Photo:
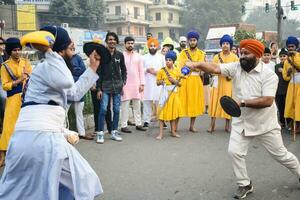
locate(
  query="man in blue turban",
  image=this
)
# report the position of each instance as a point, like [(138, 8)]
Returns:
[(191, 93), (292, 43), (222, 85), (193, 34)]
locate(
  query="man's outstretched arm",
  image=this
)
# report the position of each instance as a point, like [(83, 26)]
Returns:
[(212, 68)]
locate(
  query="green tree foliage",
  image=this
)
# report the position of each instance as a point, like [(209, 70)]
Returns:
[(200, 14), (78, 13), (243, 34), (268, 22)]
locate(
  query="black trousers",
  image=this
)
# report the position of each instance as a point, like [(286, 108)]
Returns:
[(96, 106), (280, 102)]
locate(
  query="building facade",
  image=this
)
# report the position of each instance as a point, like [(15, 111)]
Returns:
[(128, 17), (165, 18), (137, 17)]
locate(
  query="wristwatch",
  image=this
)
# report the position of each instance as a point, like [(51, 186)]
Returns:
[(243, 104)]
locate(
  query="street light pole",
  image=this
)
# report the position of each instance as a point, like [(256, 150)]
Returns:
[(279, 24), (2, 25)]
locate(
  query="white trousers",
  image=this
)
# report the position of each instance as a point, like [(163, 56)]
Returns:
[(78, 106), (136, 105), (148, 110), (272, 142)]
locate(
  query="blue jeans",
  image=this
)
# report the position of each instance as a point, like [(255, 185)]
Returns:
[(65, 193), (116, 98)]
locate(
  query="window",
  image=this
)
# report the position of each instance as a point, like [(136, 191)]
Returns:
[(119, 30), (171, 2), (136, 30), (141, 31), (118, 10), (160, 35), (136, 12), (170, 19), (157, 16)]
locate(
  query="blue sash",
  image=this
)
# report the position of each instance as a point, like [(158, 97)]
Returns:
[(18, 88)]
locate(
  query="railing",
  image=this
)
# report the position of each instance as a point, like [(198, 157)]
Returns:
[(124, 18)]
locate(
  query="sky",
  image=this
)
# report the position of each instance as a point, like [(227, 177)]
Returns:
[(285, 4)]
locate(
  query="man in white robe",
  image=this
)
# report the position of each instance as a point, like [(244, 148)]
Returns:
[(153, 62)]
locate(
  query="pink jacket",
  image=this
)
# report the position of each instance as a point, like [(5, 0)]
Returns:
[(135, 76)]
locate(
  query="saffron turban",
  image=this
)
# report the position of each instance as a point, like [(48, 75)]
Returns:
[(292, 40), (171, 55), (154, 41), (226, 38), (193, 34), (254, 46)]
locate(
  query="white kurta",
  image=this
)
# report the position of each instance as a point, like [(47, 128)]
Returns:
[(270, 65), (39, 158), (151, 90)]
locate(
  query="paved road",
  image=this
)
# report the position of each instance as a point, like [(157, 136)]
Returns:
[(194, 167)]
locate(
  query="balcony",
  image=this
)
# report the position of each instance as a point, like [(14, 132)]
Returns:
[(167, 24), (122, 18), (137, 1), (164, 6)]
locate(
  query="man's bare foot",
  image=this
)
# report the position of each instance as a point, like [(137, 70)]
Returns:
[(193, 130), (175, 135), (210, 130), (159, 137), (227, 130)]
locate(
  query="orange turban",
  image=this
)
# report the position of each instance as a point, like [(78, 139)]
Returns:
[(254, 46), (152, 40)]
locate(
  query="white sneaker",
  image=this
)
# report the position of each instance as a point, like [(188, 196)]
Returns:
[(115, 136), (100, 137)]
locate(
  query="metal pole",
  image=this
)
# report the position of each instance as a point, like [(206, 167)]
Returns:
[(279, 20)]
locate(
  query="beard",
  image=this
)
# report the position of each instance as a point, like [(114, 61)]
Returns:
[(129, 48), (68, 63), (182, 45), (152, 51), (248, 64)]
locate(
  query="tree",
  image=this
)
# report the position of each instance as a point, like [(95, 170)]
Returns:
[(92, 10), (78, 13), (63, 11), (243, 34), (268, 22), (200, 14)]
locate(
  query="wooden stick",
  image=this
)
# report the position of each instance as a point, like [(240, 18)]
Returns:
[(294, 104)]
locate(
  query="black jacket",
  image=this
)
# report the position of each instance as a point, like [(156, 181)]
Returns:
[(112, 76), (282, 84)]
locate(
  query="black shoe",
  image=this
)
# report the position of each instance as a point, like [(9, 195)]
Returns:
[(146, 125), (126, 130), (141, 128), (242, 192)]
